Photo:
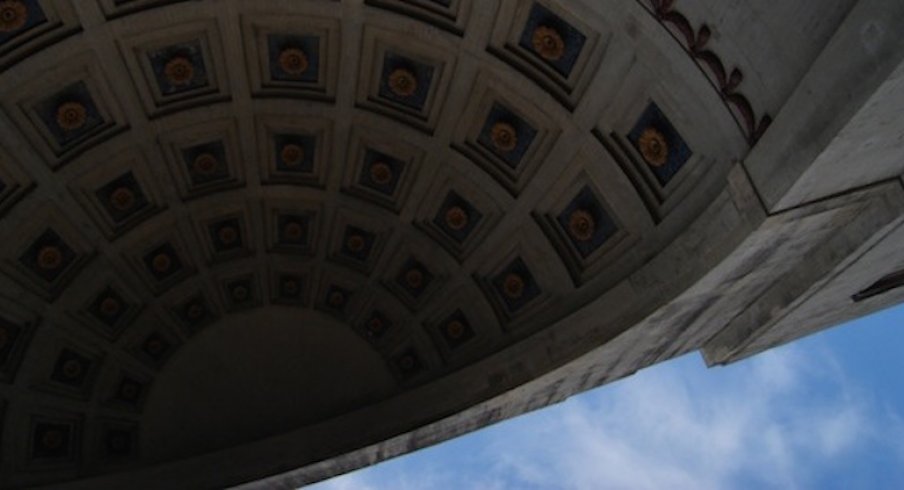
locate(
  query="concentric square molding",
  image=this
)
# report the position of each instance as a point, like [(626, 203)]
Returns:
[(294, 149), (153, 342), (382, 323), (53, 440), (661, 192), (357, 241), (459, 329), (225, 232), (452, 332), (182, 69), (451, 15), (508, 137), (292, 56), (662, 148), (46, 253), (105, 305), (161, 257), (413, 361), (403, 81), (126, 390), (412, 278), (71, 370), (240, 290), (457, 215), (36, 25), (205, 158), (339, 293), (585, 229), (192, 309), (293, 227), (69, 111), (549, 44), (119, 192), (515, 287), (291, 284), (116, 441), (381, 169)]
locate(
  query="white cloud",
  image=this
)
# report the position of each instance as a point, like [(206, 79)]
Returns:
[(776, 421), (352, 481)]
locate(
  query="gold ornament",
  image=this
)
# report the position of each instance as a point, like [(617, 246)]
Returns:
[(179, 71), (293, 232), (548, 43), (50, 258), (227, 235), (72, 369), (205, 164), (402, 82), (581, 225), (162, 262), (13, 15), (52, 439), (456, 218), (455, 329), (414, 278), (513, 286), (381, 173), (292, 155), (71, 116), (293, 61), (653, 147), (504, 136), (122, 199), (109, 307), (355, 243)]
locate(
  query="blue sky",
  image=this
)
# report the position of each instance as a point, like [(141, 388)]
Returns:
[(826, 412)]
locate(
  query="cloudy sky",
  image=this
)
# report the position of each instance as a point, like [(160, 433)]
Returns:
[(824, 413)]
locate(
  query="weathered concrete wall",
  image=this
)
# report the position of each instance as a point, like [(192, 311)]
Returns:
[(840, 129)]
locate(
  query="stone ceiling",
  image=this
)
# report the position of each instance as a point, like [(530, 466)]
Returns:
[(224, 220)]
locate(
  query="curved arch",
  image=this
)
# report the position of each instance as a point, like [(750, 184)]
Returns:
[(257, 374), (483, 192)]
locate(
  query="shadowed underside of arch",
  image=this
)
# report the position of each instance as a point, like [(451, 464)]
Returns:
[(244, 237)]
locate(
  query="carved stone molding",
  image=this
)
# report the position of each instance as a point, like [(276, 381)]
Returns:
[(726, 80)]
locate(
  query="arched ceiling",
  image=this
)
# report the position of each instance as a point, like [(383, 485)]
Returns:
[(279, 213)]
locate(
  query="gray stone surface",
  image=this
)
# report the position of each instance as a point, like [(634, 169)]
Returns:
[(650, 210)]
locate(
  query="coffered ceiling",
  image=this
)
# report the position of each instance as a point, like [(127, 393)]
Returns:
[(228, 219)]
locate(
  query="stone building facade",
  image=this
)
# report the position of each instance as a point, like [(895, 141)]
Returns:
[(263, 243)]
